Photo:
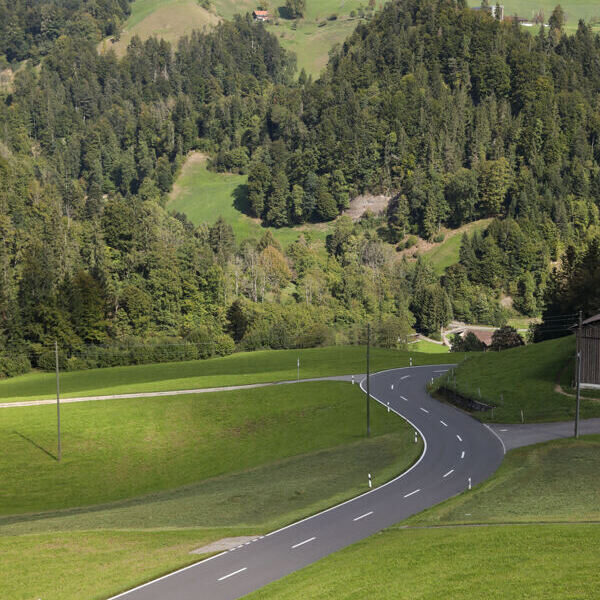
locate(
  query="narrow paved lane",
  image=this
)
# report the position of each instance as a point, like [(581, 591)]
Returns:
[(458, 449)]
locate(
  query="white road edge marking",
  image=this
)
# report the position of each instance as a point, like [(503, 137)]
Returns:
[(363, 516), (462, 454), (304, 542), (412, 493), (449, 472), (424, 409), (405, 377), (231, 574), (501, 440), (403, 398), (458, 437), (444, 424), (441, 371)]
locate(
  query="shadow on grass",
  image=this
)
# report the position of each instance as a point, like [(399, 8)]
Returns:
[(24, 437), (240, 199)]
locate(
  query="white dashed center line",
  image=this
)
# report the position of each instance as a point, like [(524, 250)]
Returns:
[(363, 516), (405, 377), (449, 472), (403, 398), (231, 574), (412, 493), (424, 409), (462, 455), (458, 438), (304, 542), (444, 424)]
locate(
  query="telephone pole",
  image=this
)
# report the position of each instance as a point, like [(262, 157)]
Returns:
[(368, 379), (57, 397), (579, 332)]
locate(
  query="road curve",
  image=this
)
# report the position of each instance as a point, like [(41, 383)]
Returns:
[(457, 447)]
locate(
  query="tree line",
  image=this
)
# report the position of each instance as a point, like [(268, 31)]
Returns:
[(28, 29), (455, 115)]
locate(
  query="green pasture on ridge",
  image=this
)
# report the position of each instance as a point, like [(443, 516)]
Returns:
[(237, 369)]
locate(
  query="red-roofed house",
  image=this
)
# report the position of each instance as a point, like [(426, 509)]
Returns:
[(260, 15)]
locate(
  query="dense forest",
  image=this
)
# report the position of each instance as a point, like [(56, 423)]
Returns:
[(454, 114), (29, 28)]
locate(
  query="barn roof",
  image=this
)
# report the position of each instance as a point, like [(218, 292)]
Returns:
[(483, 335), (591, 319)]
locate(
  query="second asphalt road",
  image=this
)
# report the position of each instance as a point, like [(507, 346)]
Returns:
[(457, 450)]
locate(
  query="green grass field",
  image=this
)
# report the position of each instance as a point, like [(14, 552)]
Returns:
[(430, 348), (494, 563), (556, 481), (93, 565), (167, 19), (218, 465), (311, 38), (574, 10), (445, 254), (204, 196), (122, 449), (520, 379), (237, 369)]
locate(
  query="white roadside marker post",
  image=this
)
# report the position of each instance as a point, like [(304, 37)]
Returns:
[(370, 483), (410, 361), (469, 483), (388, 405), (416, 437), (352, 379)]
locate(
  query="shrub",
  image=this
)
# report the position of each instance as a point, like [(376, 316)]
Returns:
[(439, 238), (47, 360), (13, 365), (332, 17), (411, 241), (224, 345)]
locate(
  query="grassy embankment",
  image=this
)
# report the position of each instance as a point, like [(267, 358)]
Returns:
[(520, 379), (237, 369), (556, 481), (173, 474)]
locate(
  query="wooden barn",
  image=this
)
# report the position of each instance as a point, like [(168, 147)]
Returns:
[(588, 343)]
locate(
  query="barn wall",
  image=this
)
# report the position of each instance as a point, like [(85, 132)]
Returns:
[(588, 343)]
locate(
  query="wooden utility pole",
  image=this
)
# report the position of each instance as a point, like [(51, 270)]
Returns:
[(579, 333), (368, 379), (57, 398)]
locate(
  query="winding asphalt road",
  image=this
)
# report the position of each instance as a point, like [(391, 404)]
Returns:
[(458, 449)]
